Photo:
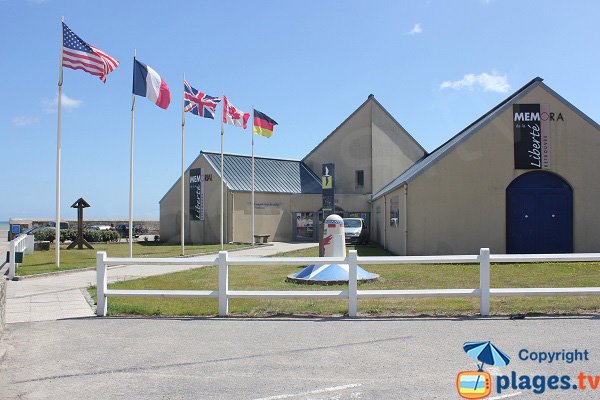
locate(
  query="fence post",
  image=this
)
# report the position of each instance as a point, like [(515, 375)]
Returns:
[(223, 284), (101, 284), (29, 243), (11, 260), (352, 283), (484, 282)]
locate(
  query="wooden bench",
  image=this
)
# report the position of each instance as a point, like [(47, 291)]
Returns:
[(260, 239)]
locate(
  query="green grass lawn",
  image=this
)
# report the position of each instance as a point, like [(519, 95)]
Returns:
[(392, 277), (44, 261)]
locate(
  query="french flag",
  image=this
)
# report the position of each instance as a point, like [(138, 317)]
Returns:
[(148, 83)]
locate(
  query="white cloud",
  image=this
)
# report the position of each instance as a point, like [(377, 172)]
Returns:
[(415, 30), (21, 121), (493, 82), (51, 106)]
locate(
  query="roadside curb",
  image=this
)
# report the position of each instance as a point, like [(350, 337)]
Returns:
[(229, 251), (46, 274)]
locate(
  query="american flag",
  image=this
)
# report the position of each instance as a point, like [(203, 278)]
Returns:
[(199, 103), (77, 54)]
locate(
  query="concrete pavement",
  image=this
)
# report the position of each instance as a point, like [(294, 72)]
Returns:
[(270, 359), (63, 296)]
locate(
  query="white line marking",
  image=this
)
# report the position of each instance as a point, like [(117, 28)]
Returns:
[(505, 396), (326, 390)]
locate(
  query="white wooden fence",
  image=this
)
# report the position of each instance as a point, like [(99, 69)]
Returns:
[(223, 294), (22, 244)]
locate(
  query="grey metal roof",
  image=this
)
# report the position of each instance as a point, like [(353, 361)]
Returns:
[(270, 174), (424, 163)]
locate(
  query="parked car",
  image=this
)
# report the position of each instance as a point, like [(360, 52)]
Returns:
[(123, 230), (35, 228), (356, 231), (98, 227)]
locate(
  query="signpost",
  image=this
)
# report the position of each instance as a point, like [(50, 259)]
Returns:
[(328, 196), (328, 189), (80, 242)]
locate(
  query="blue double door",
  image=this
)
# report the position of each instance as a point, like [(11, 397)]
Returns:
[(539, 214)]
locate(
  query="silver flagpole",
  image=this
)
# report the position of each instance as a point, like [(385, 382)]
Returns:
[(222, 134), (252, 134), (131, 168), (183, 170), (58, 145)]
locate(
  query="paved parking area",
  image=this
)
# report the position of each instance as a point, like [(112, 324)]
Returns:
[(270, 359)]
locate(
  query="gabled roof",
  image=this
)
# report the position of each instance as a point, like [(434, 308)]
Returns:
[(370, 98), (271, 175), (424, 163)]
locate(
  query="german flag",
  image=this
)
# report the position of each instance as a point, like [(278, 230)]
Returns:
[(263, 125)]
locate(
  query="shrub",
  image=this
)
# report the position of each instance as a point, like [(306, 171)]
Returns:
[(101, 236), (157, 238), (109, 236), (68, 234), (46, 234)]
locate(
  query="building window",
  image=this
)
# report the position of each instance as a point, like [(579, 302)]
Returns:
[(394, 211), (360, 178)]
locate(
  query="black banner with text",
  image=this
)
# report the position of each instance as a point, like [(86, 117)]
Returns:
[(532, 139), (196, 194)]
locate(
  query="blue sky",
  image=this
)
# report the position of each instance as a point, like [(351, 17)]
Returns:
[(435, 65)]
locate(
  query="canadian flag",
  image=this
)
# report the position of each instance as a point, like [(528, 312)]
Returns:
[(233, 116)]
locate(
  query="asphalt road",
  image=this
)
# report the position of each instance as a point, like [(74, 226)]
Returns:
[(418, 358)]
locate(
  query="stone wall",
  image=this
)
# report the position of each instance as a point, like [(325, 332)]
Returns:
[(153, 227)]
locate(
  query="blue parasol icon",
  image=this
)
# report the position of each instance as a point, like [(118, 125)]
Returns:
[(486, 353)]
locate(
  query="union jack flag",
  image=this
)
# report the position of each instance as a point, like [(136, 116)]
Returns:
[(199, 103)]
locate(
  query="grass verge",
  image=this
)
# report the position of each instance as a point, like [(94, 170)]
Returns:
[(392, 277), (40, 262)]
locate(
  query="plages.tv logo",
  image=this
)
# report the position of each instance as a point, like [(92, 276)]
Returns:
[(478, 384)]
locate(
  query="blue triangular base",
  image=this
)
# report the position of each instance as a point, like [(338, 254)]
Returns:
[(329, 273)]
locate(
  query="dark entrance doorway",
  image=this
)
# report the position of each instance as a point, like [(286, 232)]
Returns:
[(539, 214)]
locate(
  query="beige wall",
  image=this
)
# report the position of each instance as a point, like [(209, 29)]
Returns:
[(391, 236), (378, 221), (459, 204), (207, 231), (394, 151), (370, 140), (274, 212), (349, 148)]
